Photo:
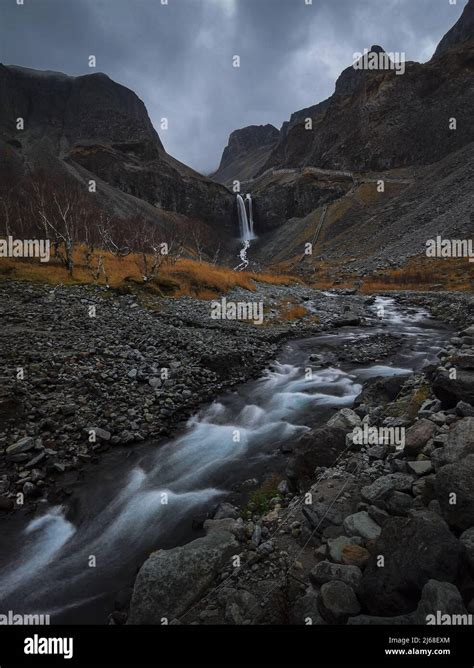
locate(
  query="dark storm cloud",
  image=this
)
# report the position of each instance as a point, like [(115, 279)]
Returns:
[(178, 57)]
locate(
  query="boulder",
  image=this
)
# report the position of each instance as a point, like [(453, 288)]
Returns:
[(337, 545), (438, 598), (345, 419), (418, 435), (415, 549), (459, 444), (399, 503), (355, 555), (361, 524), (23, 445), (455, 493), (320, 447), (305, 611), (337, 602), (384, 486), (467, 541), (421, 468), (325, 571), (170, 581), (451, 391)]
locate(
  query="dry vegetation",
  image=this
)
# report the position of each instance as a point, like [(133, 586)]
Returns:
[(174, 277)]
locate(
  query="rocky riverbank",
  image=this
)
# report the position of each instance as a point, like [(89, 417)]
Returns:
[(85, 369), (359, 531)]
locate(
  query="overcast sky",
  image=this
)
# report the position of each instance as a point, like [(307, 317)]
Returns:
[(178, 57)]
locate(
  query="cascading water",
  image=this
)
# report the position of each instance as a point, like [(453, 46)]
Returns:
[(246, 233), (246, 229)]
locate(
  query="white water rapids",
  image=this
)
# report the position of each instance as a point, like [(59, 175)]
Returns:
[(142, 498)]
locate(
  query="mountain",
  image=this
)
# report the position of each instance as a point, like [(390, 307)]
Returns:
[(248, 149), (91, 127), (320, 178), (460, 33)]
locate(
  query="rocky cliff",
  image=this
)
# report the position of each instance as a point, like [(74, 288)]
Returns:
[(248, 149), (92, 127)]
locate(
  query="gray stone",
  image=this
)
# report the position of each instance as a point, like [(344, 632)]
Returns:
[(338, 602), (306, 610), (345, 418), (361, 524), (21, 446), (438, 598), (467, 540), (415, 549), (170, 581), (326, 571), (455, 493), (421, 468), (399, 503), (384, 486), (418, 435)]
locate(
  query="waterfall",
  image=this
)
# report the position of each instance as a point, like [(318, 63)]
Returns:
[(249, 200), (245, 222)]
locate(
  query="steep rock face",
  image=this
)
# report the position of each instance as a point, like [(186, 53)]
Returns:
[(247, 150), (379, 120), (92, 126), (460, 33)]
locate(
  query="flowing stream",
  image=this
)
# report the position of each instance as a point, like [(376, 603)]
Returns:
[(142, 498)]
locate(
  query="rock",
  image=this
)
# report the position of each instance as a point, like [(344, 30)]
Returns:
[(320, 447), (355, 555), (459, 444), (225, 524), (368, 620), (306, 612), (100, 434), (399, 503), (319, 516), (421, 468), (170, 581), (438, 598), (337, 602), (361, 524), (225, 510), (326, 571), (380, 390), (451, 391), (344, 419), (336, 546), (6, 504), (418, 435), (241, 607), (384, 486), (467, 540), (455, 493), (415, 550), (23, 445), (378, 515), (464, 409)]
